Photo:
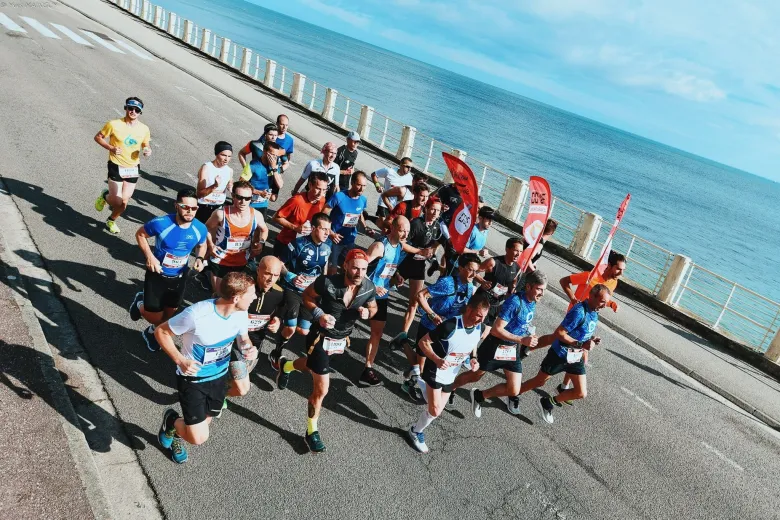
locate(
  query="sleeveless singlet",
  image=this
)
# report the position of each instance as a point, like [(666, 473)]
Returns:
[(386, 266), (502, 277), (218, 196), (233, 242)]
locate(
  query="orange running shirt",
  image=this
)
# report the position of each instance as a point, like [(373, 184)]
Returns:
[(582, 291), (297, 211)]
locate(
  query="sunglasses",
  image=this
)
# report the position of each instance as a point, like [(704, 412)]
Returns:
[(406, 166), (241, 197), (133, 109), (187, 208)]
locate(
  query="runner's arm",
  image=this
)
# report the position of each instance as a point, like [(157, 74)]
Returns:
[(142, 237), (396, 191), (375, 251), (499, 330), (568, 289), (425, 346), (422, 300), (202, 189), (562, 335), (242, 155), (485, 267), (102, 140), (298, 185), (259, 238), (212, 224), (372, 308)]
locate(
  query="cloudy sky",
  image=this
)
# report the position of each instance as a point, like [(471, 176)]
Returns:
[(700, 75)]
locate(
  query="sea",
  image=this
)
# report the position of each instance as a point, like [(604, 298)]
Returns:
[(725, 219)]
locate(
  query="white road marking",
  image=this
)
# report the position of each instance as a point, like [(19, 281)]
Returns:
[(181, 89), (132, 49), (191, 176), (209, 108), (215, 95), (118, 112), (723, 457), (196, 99), (89, 87), (247, 133), (639, 399), (155, 145), (70, 34), (97, 39), (38, 26), (226, 119), (10, 24)]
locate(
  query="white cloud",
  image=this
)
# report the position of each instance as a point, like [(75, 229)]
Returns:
[(679, 84), (350, 17)]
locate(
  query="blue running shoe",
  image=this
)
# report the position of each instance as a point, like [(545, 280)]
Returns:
[(149, 339), (166, 435), (178, 451), (135, 312)]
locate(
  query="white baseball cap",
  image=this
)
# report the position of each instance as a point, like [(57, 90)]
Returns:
[(353, 136)]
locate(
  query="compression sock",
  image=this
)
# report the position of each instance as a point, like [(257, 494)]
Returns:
[(416, 370), (281, 341), (423, 422), (311, 425), (288, 367)]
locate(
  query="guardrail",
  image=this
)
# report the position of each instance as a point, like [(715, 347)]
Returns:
[(722, 304)]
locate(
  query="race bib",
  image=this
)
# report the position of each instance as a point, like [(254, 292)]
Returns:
[(334, 346), (214, 198), (455, 360), (388, 271), (305, 230), (215, 354), (573, 355), (302, 281), (420, 257), (258, 321), (257, 198), (238, 243), (128, 173), (174, 262), (506, 353), (499, 290), (351, 219)]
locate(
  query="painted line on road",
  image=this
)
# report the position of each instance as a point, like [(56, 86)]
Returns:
[(118, 112), (226, 119), (196, 99), (181, 89), (132, 49), (191, 176), (70, 34), (639, 399), (209, 108), (247, 133), (10, 24), (38, 26), (723, 457), (89, 87), (97, 39)]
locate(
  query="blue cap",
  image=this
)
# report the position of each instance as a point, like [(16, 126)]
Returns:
[(134, 103)]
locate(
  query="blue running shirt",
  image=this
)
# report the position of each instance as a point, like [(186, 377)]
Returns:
[(517, 312), (448, 297), (580, 323), (305, 260), (346, 215), (386, 267), (173, 243)]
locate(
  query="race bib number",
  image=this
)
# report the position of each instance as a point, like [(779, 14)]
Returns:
[(506, 353), (302, 281), (388, 271), (420, 257), (128, 173), (305, 230), (213, 198), (351, 219), (334, 346), (215, 354), (573, 355), (174, 262), (257, 198), (238, 243), (499, 290), (455, 360), (258, 321)]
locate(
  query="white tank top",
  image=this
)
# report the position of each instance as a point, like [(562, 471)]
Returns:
[(219, 195)]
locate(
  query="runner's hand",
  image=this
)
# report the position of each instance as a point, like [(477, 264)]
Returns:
[(153, 265), (189, 367), (378, 187), (487, 285), (363, 311), (302, 229), (273, 325), (217, 180), (336, 238), (530, 341), (613, 305), (380, 291), (198, 265), (116, 150), (435, 318), (327, 321), (398, 280), (250, 353), (147, 151), (370, 232), (574, 301), (349, 170), (439, 362), (474, 365)]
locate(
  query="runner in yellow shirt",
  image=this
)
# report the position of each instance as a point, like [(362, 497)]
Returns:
[(125, 139)]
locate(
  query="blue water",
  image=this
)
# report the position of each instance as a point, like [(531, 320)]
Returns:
[(726, 220)]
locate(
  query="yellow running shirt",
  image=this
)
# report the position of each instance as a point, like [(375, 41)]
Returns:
[(129, 138)]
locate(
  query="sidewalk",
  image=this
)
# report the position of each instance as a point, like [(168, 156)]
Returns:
[(739, 382), (40, 478)]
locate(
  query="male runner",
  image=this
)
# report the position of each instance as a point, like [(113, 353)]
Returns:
[(410, 209), (294, 217), (207, 329), (335, 302), (388, 253), (236, 234), (447, 296), (346, 212), (327, 164), (175, 236), (305, 260), (264, 176), (346, 156), (499, 350), (264, 314), (285, 140), (447, 347), (125, 139), (215, 181), (400, 177), (572, 337), (499, 279)]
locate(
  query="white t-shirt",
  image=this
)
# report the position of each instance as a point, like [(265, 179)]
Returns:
[(316, 165), (207, 337), (391, 180), (211, 172)]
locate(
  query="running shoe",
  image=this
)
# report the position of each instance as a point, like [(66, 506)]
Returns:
[(410, 387), (395, 343), (178, 451), (314, 442), (166, 436), (112, 227), (370, 377), (418, 440), (546, 408), (100, 202), (224, 407), (273, 360), (282, 378), (561, 389), (149, 339), (513, 405), (450, 402), (135, 312), (476, 407)]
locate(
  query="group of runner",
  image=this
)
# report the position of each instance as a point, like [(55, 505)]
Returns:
[(317, 283)]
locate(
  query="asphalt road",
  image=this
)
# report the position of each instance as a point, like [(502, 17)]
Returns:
[(646, 443)]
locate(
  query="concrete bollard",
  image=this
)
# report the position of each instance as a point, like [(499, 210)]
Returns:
[(270, 73), (157, 15), (674, 278), (513, 200), (330, 103), (145, 9), (773, 352), (172, 24), (460, 154), (224, 53), (406, 145), (246, 60), (586, 234), (364, 125), (188, 27), (205, 40), (296, 92)]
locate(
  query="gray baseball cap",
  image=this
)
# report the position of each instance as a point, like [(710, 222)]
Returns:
[(353, 136)]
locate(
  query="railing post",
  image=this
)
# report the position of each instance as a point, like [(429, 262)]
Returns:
[(460, 154), (246, 59), (224, 53), (133, 6), (296, 92), (205, 40), (364, 124), (145, 9), (270, 73), (188, 32), (586, 234), (725, 306), (157, 15), (172, 24), (330, 103), (773, 352), (513, 199), (673, 281), (406, 145)]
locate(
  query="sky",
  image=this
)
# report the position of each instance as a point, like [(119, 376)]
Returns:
[(699, 75)]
